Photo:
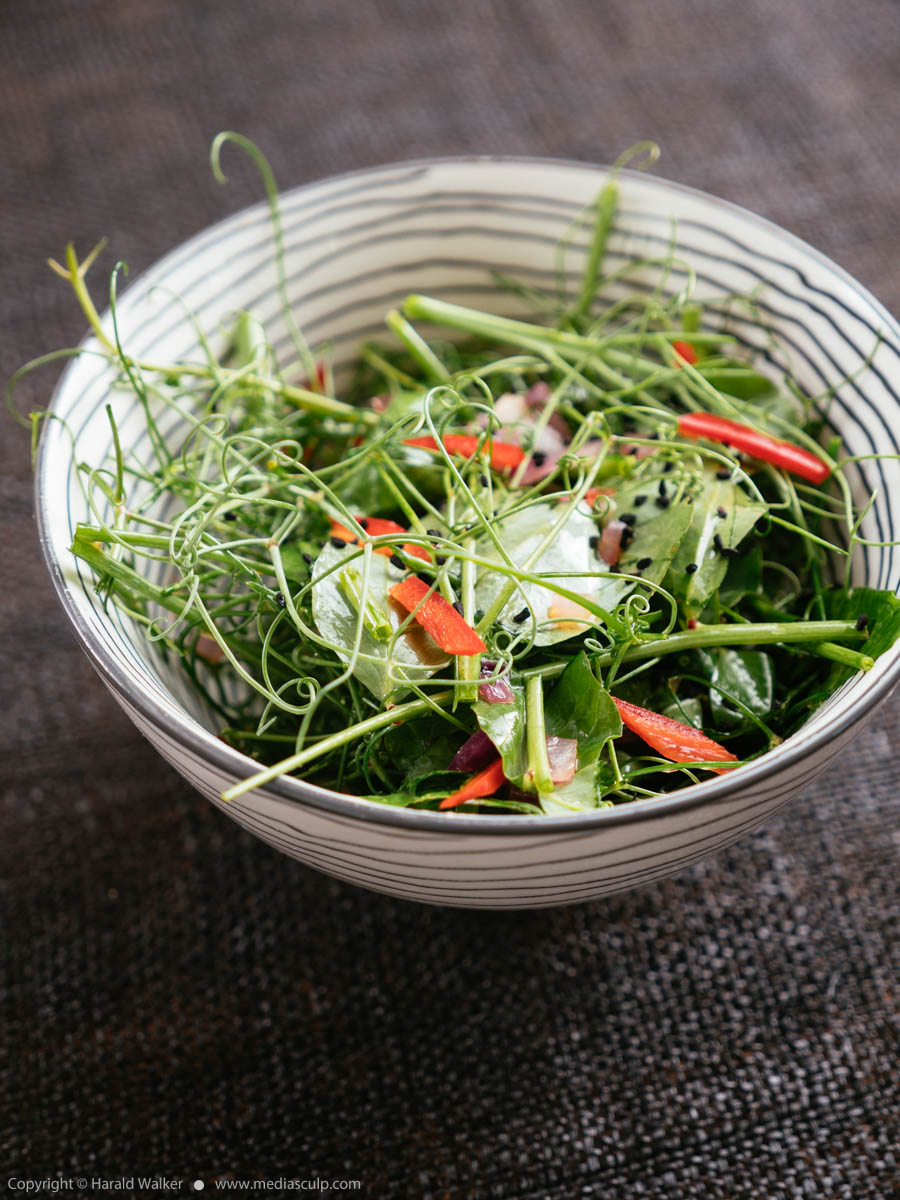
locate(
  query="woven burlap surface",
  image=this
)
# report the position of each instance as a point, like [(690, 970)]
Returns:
[(177, 998)]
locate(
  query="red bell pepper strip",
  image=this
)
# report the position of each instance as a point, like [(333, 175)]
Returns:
[(485, 783), (504, 456), (687, 352), (451, 632), (758, 445), (671, 739), (377, 526)]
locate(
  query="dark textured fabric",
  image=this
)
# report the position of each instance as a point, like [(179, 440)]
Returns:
[(177, 997)]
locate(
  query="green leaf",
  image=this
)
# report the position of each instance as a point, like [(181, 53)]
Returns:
[(688, 711), (519, 806), (505, 726), (384, 662), (421, 748), (579, 707), (742, 675), (578, 795), (657, 534), (743, 577), (699, 544), (408, 800), (521, 534), (295, 566), (883, 610)]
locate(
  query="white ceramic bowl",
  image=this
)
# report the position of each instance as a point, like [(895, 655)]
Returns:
[(356, 245)]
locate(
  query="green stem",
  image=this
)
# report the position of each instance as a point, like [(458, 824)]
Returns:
[(766, 633), (510, 331), (606, 211), (843, 655), (400, 714), (468, 666), (418, 347), (538, 771), (76, 274), (303, 397)]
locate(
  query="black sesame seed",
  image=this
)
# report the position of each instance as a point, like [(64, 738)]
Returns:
[(628, 518), (434, 533), (726, 551), (397, 561), (862, 621), (627, 537), (663, 501), (458, 607), (593, 542), (308, 559), (668, 467), (643, 563), (662, 487), (229, 516), (522, 615), (440, 559), (483, 480), (280, 600), (724, 473), (364, 522), (690, 568), (539, 458), (639, 500), (722, 512), (338, 543)]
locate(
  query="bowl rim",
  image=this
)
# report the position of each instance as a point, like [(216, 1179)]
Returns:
[(201, 743)]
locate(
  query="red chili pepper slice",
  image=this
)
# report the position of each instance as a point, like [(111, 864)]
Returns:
[(316, 384), (485, 783), (671, 739), (687, 352), (593, 494), (504, 456), (790, 458), (451, 632), (377, 527)]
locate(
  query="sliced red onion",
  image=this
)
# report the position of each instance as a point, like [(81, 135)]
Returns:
[(474, 753), (610, 546), (538, 394), (536, 398), (496, 691), (209, 650), (534, 473), (562, 754)]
